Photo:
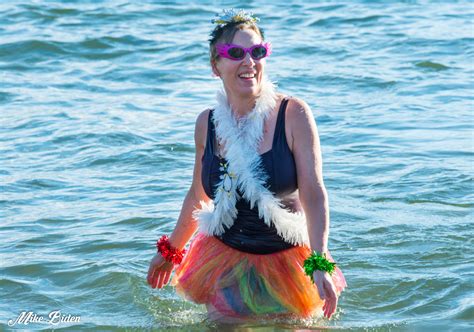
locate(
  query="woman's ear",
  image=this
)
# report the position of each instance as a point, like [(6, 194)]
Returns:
[(215, 72)]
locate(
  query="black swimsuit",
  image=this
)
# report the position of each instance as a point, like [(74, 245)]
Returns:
[(249, 233)]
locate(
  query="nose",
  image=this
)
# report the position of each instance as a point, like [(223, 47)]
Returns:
[(248, 59)]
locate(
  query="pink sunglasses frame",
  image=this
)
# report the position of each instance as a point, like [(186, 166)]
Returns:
[(222, 50)]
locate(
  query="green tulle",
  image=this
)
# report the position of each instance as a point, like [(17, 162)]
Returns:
[(318, 262)]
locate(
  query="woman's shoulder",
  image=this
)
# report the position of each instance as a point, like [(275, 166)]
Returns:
[(296, 104), (200, 132), (297, 110), (203, 117)]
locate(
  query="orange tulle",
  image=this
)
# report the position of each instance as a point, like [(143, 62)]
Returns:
[(237, 283)]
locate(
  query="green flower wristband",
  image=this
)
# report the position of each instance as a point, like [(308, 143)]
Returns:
[(318, 262)]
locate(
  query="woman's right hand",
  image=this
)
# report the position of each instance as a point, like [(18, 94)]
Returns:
[(159, 272)]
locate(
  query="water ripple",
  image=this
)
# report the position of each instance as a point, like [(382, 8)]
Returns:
[(99, 102)]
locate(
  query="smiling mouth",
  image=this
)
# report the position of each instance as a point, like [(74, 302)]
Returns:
[(249, 74), (247, 77)]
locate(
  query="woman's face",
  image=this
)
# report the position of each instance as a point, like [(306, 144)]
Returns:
[(229, 70)]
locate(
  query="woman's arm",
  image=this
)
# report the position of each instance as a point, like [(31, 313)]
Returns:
[(159, 272), (312, 192), (186, 225), (313, 195)]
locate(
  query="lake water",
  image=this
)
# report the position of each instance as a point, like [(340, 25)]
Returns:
[(98, 101)]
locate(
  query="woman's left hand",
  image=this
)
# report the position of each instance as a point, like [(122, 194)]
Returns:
[(327, 291)]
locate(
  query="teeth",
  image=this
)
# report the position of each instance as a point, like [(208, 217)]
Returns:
[(247, 75)]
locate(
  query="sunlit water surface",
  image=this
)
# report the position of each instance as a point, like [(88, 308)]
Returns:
[(98, 102)]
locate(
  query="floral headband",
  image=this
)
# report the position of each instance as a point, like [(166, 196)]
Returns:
[(231, 15)]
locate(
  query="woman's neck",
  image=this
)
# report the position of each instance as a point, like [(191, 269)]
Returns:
[(241, 106)]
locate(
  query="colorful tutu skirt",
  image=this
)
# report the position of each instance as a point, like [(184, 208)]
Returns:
[(240, 284)]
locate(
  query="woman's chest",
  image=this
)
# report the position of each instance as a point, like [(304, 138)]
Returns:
[(280, 173)]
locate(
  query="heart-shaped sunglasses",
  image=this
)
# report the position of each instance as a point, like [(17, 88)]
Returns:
[(237, 52)]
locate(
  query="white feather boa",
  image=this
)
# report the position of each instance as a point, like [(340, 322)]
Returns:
[(241, 139)]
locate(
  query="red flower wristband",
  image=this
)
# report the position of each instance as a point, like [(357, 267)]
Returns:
[(169, 253)]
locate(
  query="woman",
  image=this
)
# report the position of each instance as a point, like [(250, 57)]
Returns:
[(261, 206)]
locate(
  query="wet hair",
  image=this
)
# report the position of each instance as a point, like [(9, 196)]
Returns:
[(225, 34)]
